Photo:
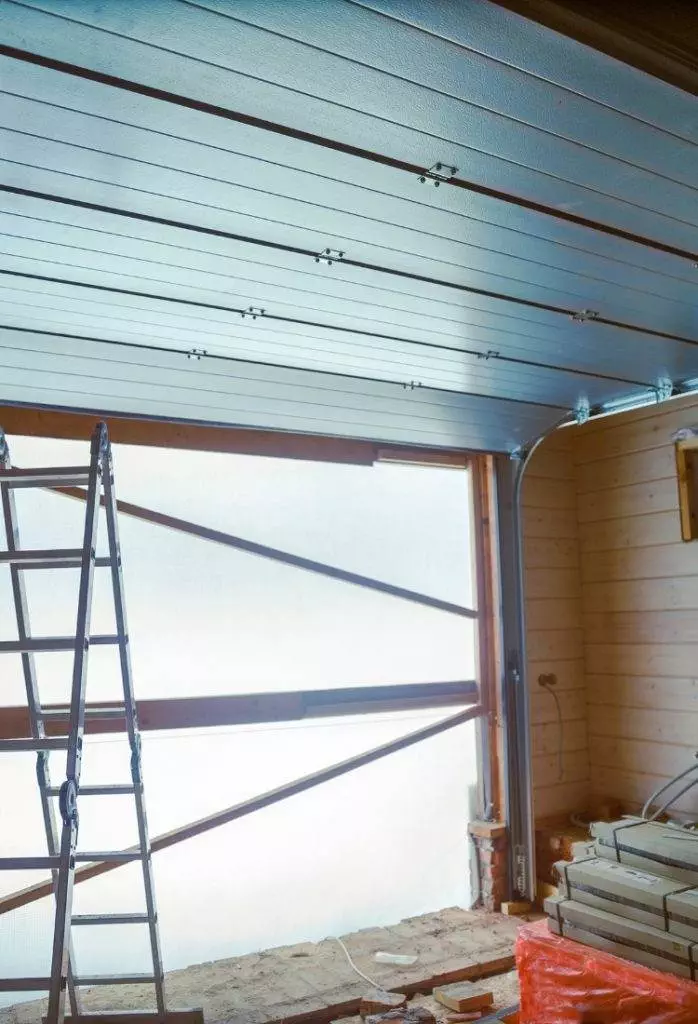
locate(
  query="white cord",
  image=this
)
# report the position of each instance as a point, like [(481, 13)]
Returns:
[(667, 785), (560, 752), (672, 800), (353, 966)]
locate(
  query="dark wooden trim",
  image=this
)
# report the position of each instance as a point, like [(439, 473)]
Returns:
[(187, 435), (248, 708), (196, 828), (78, 426), (658, 37), (485, 560)]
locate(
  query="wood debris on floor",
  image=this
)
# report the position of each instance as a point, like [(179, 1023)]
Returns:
[(312, 983)]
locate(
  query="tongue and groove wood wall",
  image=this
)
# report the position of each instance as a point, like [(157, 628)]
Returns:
[(612, 609)]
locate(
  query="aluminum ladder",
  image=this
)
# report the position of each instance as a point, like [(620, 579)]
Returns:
[(62, 836)]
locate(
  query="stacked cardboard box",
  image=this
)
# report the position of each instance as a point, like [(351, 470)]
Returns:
[(633, 892)]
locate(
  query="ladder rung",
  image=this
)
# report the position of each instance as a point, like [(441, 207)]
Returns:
[(63, 712), (58, 558), (29, 743), (57, 476), (29, 863), (25, 984), (51, 555), (117, 856), (51, 643), (107, 790), (115, 979), (85, 919)]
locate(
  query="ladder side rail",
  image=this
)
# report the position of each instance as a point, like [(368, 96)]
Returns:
[(43, 774), (69, 789), (132, 726)]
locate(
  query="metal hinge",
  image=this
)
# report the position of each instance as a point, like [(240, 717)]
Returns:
[(520, 869), (439, 172), (491, 353), (410, 385), (585, 314), (329, 256), (664, 388), (582, 411), (196, 353), (253, 311)]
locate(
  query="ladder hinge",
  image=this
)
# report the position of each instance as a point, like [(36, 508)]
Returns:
[(253, 311), (196, 353)]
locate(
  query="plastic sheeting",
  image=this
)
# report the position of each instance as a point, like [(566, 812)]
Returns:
[(564, 982)]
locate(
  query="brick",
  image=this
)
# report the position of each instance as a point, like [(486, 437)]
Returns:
[(464, 996), (377, 1001)]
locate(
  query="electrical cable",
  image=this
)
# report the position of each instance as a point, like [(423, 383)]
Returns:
[(672, 800), (560, 752), (371, 981), (667, 785)]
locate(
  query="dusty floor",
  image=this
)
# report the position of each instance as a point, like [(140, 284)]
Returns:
[(299, 982)]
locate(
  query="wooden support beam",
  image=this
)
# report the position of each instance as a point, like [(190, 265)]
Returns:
[(248, 708), (196, 828), (660, 39), (229, 540), (36, 421)]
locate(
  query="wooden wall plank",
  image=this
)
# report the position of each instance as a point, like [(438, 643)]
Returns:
[(554, 644), (553, 627), (552, 463), (546, 737), (539, 492), (642, 595), (569, 673), (634, 500), (543, 708), (662, 562), (544, 582), (633, 788), (656, 692), (630, 755), (649, 530), (546, 523), (627, 468), (656, 627), (550, 553), (669, 727), (546, 768), (626, 434), (561, 798), (667, 660), (554, 613)]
